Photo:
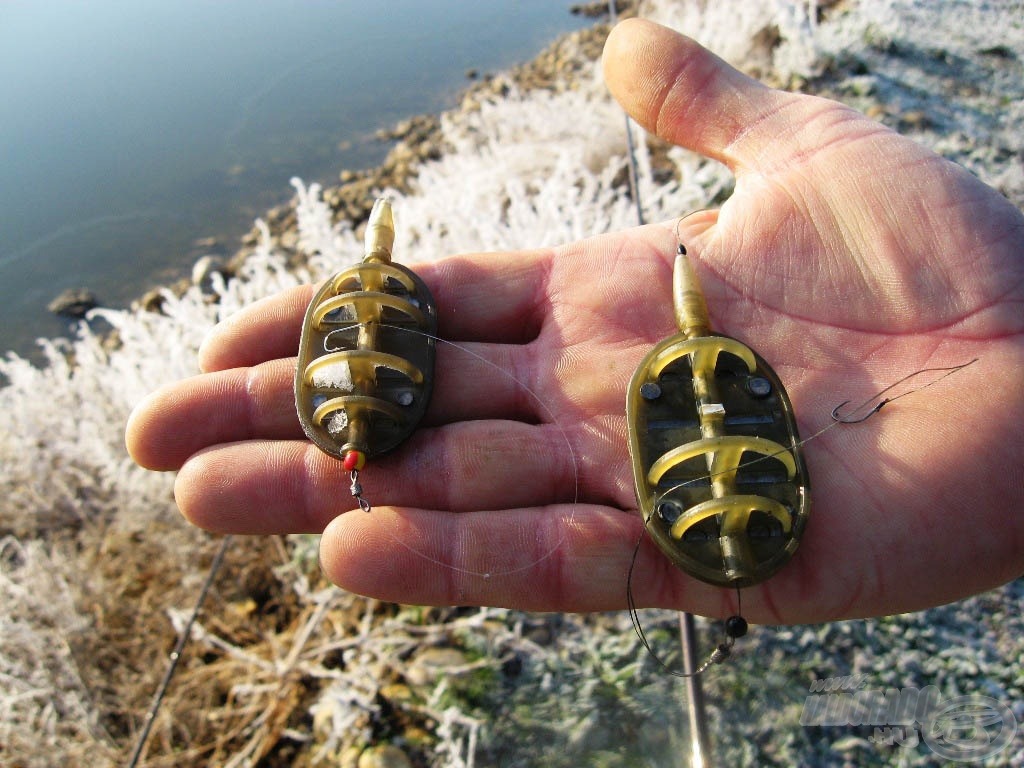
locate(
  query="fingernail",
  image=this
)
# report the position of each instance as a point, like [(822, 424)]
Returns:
[(204, 346)]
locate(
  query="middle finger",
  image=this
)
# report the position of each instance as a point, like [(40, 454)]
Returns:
[(473, 381)]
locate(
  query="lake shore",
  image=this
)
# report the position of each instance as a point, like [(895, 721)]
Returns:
[(417, 140)]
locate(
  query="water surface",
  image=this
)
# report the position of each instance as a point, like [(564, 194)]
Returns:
[(130, 130)]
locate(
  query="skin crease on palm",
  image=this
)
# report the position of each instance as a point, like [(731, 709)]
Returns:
[(848, 257)]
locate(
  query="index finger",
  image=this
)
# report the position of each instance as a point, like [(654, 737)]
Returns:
[(491, 297)]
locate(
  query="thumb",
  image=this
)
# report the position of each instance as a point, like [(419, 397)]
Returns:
[(677, 89)]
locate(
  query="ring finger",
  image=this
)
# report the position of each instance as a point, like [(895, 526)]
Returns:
[(290, 486)]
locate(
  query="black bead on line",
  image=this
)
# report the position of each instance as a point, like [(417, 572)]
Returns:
[(735, 626)]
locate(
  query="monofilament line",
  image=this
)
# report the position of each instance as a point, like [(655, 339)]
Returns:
[(549, 414)]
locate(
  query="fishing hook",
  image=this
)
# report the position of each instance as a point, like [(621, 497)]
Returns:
[(849, 419)]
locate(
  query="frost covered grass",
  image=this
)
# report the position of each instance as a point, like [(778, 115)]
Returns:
[(98, 572)]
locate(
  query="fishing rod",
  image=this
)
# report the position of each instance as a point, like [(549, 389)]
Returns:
[(696, 711), (175, 657)]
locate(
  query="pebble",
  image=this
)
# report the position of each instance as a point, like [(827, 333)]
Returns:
[(203, 270), (208, 243), (384, 756), (431, 663), (74, 302), (151, 301)]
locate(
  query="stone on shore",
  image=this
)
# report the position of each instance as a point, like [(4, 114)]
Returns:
[(74, 302)]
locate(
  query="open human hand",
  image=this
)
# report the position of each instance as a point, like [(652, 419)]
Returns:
[(848, 256)]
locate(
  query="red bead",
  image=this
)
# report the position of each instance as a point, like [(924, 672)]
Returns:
[(354, 460)]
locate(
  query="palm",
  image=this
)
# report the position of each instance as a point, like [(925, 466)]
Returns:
[(822, 272), (848, 260)]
